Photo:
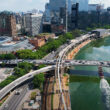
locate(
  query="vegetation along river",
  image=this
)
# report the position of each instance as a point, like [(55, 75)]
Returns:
[(85, 92)]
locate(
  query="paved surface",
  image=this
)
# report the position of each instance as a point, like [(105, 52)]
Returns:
[(66, 47), (5, 72), (67, 62), (15, 83), (19, 45), (70, 46), (13, 103), (20, 80)]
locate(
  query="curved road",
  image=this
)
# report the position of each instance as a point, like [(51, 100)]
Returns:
[(20, 80), (72, 44)]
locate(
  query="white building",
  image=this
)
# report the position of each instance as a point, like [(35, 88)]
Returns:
[(33, 23)]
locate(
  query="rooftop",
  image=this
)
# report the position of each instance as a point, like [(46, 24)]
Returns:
[(43, 34)]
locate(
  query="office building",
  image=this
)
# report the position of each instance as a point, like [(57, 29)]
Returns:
[(83, 4), (7, 24), (53, 9), (108, 9), (33, 23), (96, 7)]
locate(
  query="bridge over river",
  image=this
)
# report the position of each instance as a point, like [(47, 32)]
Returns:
[(65, 62), (56, 64), (28, 76)]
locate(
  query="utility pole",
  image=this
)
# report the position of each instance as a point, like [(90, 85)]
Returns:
[(66, 16)]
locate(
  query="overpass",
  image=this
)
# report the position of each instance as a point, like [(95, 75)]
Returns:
[(22, 79), (65, 62), (57, 62)]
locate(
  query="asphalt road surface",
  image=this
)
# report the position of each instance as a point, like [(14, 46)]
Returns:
[(15, 100)]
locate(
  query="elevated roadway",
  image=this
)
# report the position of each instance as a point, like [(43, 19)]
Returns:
[(22, 79), (65, 62), (61, 55)]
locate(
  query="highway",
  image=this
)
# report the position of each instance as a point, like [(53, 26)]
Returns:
[(13, 103), (87, 63), (71, 45), (67, 62), (66, 47), (60, 61), (22, 79)]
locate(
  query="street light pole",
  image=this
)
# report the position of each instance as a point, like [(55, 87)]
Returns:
[(66, 16)]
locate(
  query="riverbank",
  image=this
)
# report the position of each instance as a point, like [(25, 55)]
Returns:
[(73, 53), (57, 100), (85, 90)]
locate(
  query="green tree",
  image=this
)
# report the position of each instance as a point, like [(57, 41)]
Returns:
[(26, 66), (7, 56), (41, 66), (7, 81), (38, 80), (19, 72), (33, 95)]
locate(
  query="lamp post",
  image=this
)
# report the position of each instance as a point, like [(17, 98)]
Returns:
[(66, 16)]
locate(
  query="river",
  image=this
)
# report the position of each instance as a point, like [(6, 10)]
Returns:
[(85, 93)]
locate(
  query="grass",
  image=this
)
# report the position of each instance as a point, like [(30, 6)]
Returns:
[(3, 100), (42, 34), (65, 74)]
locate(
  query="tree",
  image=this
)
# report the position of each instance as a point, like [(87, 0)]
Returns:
[(38, 80), (41, 66), (26, 66), (7, 81), (19, 72), (7, 56), (33, 95), (76, 33)]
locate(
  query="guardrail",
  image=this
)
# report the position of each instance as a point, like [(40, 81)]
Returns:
[(22, 79)]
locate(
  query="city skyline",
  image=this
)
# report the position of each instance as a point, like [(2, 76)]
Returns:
[(26, 5)]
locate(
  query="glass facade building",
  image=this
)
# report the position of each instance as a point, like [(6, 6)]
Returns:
[(83, 4)]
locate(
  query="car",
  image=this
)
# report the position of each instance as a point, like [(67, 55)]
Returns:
[(17, 92), (67, 61), (29, 75), (6, 105)]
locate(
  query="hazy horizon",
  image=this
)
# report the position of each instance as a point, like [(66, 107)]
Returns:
[(26, 5)]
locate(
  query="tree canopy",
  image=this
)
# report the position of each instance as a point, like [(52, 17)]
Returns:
[(38, 80)]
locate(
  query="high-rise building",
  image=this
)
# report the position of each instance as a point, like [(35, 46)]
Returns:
[(74, 16), (55, 5), (55, 11), (47, 14), (7, 24), (96, 7), (33, 23), (58, 14), (108, 9), (83, 4)]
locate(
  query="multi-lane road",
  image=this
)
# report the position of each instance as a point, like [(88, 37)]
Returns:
[(13, 103), (20, 80), (66, 62), (72, 44)]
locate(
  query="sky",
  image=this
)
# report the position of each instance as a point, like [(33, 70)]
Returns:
[(26, 5)]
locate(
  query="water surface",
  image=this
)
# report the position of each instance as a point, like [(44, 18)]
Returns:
[(86, 95)]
